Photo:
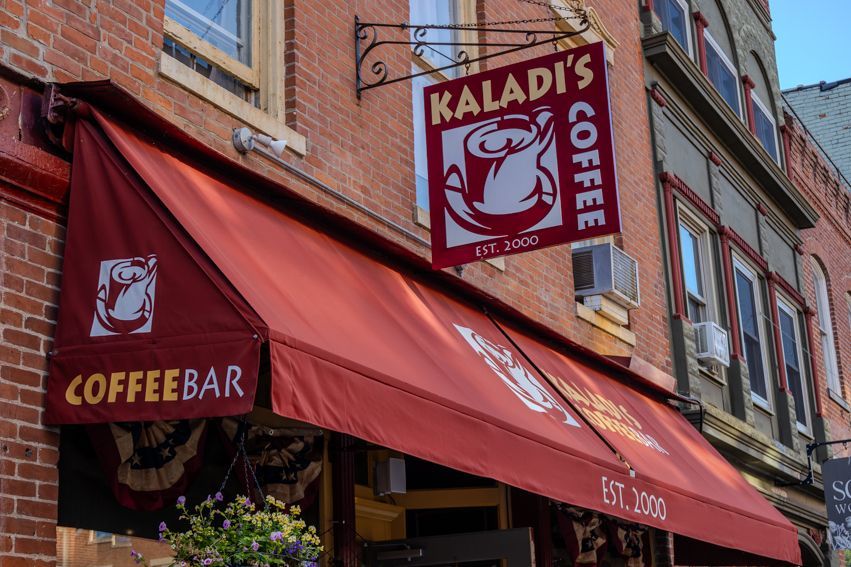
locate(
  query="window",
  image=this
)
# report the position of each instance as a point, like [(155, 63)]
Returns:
[(420, 163), (694, 245), (437, 12), (790, 333), (231, 54), (216, 39), (765, 126), (825, 329), (674, 17), (848, 307), (752, 334), (722, 73), (429, 58)]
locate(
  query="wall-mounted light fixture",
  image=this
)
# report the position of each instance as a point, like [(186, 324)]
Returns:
[(244, 141)]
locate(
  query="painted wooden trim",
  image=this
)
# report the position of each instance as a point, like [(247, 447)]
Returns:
[(658, 97), (747, 250), (787, 288), (700, 25), (749, 85), (673, 248), (809, 313), (691, 196), (729, 289), (187, 39), (778, 340)]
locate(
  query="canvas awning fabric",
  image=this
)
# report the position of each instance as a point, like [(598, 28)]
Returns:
[(356, 346)]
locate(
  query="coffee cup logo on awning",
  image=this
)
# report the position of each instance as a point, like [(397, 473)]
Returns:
[(521, 157), (514, 375), (125, 296)]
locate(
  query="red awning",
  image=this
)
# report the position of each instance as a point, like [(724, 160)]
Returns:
[(358, 347), (669, 457)]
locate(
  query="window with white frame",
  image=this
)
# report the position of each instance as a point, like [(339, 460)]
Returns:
[(430, 58), (437, 53), (826, 329), (696, 265), (765, 126), (420, 162), (231, 54), (217, 39), (674, 17), (790, 333), (722, 73), (749, 306)]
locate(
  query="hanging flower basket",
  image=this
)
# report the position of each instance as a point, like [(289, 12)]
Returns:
[(239, 534)]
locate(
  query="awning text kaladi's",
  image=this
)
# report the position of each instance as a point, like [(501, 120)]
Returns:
[(173, 279)]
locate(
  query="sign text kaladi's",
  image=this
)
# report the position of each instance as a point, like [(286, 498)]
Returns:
[(521, 157)]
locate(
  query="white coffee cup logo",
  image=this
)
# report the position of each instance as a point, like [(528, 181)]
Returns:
[(514, 375), (125, 296)]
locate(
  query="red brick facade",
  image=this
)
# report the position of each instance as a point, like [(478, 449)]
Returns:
[(828, 243), (361, 148)]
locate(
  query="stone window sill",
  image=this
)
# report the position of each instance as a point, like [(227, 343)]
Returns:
[(604, 324), (837, 399), (196, 83)]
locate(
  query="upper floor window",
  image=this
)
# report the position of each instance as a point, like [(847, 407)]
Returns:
[(694, 253), (764, 126), (790, 332), (674, 17), (218, 40), (230, 53), (443, 13), (722, 73), (432, 57), (825, 325), (752, 333), (848, 307), (420, 162)]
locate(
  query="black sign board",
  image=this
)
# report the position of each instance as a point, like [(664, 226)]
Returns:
[(837, 496)]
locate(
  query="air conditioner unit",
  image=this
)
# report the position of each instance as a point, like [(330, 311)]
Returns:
[(712, 344), (605, 269)]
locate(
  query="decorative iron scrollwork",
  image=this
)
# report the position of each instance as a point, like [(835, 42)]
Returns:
[(504, 40)]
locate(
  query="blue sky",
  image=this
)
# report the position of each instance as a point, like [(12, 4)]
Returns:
[(813, 40)]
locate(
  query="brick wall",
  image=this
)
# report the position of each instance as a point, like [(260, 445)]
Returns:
[(361, 148), (30, 262), (830, 242)]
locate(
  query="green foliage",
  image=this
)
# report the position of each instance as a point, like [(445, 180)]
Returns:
[(239, 534)]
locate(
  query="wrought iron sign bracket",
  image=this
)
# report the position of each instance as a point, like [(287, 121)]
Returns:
[(505, 40), (810, 478)]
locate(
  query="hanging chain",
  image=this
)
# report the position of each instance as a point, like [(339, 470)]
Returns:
[(247, 468), (367, 40)]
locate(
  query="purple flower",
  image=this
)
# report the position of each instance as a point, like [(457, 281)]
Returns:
[(226, 524), (255, 546), (181, 500), (163, 527), (247, 501), (133, 553), (219, 497), (207, 561), (276, 536)]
